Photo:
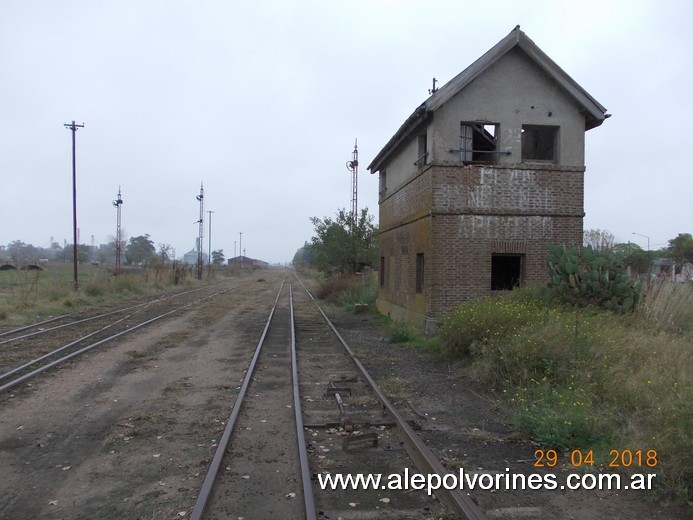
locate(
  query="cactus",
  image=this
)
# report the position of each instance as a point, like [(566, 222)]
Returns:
[(585, 276)]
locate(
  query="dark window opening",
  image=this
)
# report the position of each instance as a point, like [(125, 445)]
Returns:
[(479, 142), (506, 272), (383, 184), (422, 157), (382, 271), (419, 272), (539, 143)]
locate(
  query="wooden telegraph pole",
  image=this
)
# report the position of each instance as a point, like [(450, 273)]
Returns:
[(73, 126)]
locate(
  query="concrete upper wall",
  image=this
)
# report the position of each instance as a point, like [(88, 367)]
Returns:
[(513, 92)]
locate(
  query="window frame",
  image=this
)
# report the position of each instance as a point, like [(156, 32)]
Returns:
[(474, 136)]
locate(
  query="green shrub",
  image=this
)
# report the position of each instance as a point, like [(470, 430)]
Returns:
[(469, 326), (562, 417), (585, 377), (401, 333), (94, 289), (350, 290)]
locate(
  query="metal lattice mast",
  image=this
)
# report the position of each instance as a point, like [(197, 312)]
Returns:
[(353, 167), (201, 232), (118, 242)]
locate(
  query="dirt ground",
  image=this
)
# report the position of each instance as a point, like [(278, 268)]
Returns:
[(128, 431), (467, 425)]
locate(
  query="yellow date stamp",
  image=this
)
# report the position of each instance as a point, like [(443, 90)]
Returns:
[(626, 458)]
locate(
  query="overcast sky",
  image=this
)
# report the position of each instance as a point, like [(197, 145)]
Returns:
[(262, 100)]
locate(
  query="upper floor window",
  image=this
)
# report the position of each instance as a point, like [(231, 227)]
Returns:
[(539, 143), (383, 184), (478, 142), (422, 157)]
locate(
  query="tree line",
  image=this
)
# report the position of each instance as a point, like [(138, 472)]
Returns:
[(139, 250)]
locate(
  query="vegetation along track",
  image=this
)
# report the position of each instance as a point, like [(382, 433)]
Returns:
[(27, 351), (306, 409)]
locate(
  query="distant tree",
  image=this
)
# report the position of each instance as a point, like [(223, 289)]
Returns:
[(16, 250), (634, 256), (343, 244), (218, 257), (681, 248), (165, 251), (598, 239), (305, 256), (140, 250)]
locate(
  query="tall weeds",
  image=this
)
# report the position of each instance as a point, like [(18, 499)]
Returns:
[(588, 378)]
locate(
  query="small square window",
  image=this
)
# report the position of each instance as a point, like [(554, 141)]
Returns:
[(539, 143)]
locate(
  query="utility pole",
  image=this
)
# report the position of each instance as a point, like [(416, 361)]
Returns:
[(201, 231), (240, 247), (118, 203), (210, 235), (74, 126)]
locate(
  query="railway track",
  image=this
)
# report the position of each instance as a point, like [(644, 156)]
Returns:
[(305, 409), (25, 356), (322, 413)]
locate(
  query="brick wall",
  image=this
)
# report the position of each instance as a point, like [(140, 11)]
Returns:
[(459, 216)]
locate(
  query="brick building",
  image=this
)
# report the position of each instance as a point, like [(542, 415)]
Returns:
[(478, 178)]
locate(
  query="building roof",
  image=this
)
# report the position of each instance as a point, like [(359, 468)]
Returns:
[(594, 112)]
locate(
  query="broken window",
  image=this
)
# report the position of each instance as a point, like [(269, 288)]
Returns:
[(383, 184), (419, 272), (422, 157), (479, 142), (506, 271), (539, 143)]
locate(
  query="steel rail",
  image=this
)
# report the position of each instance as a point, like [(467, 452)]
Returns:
[(210, 478), (83, 320), (33, 373), (308, 499), (60, 349), (422, 455), (43, 322)]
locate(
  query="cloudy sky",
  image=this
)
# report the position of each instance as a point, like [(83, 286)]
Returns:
[(262, 100)]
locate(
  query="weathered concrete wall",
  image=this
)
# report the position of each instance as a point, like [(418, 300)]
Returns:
[(513, 92)]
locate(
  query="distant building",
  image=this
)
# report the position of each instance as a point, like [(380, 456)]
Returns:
[(191, 257), (245, 262), (478, 178)]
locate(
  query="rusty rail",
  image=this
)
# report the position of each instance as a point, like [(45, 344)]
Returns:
[(423, 457)]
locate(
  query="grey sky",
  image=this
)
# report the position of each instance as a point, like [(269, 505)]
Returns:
[(262, 101)]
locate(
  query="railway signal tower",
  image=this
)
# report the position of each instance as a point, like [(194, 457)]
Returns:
[(201, 231), (118, 239), (353, 167)]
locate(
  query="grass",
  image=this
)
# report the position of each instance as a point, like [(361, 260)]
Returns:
[(351, 290), (587, 378), (27, 296)]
